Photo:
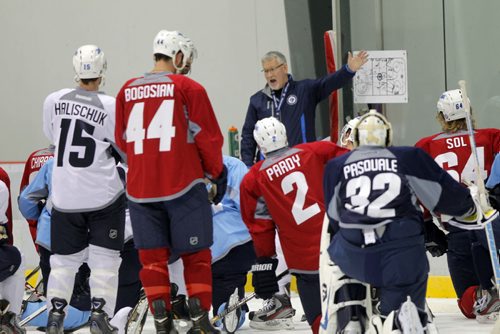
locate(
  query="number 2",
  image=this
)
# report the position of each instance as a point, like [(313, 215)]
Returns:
[(300, 214), (160, 126)]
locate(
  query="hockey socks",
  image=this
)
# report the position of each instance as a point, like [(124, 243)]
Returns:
[(198, 276), (154, 275)]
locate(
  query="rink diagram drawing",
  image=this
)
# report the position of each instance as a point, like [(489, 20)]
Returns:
[(383, 79)]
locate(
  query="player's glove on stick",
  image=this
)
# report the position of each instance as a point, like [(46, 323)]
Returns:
[(264, 280), (220, 185)]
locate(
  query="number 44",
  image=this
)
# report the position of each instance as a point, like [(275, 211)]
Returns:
[(161, 126)]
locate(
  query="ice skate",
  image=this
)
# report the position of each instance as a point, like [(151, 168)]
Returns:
[(276, 314), (201, 323), (487, 305), (8, 320), (179, 306), (163, 319), (55, 322), (408, 319), (99, 320)]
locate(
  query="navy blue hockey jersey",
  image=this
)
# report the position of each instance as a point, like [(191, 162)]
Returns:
[(374, 186)]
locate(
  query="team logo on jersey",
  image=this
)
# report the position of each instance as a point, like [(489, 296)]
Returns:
[(291, 100), (193, 241), (113, 234)]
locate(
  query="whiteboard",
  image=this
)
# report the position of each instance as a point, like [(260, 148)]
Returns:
[(383, 79)]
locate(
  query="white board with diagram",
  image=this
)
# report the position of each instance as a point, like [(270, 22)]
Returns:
[(383, 79)]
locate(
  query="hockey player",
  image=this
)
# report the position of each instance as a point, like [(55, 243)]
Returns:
[(370, 196), (284, 193), (469, 266), (493, 183), (35, 161), (88, 214), (4, 177), (232, 252), (11, 269), (167, 127)]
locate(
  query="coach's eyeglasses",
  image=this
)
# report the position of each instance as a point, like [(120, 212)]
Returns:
[(272, 69)]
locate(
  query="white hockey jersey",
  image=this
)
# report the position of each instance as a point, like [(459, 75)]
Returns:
[(81, 125)]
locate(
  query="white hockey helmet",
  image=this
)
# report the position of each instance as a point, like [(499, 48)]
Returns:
[(270, 135), (373, 129), (89, 62), (169, 43), (345, 138), (451, 105)]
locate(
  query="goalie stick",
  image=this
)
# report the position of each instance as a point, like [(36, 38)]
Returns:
[(241, 302), (488, 229)]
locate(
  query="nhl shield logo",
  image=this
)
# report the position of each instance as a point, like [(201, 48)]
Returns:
[(113, 234), (193, 241), (291, 100)]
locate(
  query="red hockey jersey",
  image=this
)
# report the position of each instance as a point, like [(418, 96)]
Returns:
[(35, 161), (4, 177), (452, 152), (285, 192), (166, 126)]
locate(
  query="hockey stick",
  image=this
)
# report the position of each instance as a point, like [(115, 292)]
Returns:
[(488, 229), (138, 316), (33, 315), (241, 302), (32, 273)]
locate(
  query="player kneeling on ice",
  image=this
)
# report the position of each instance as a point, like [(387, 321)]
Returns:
[(11, 273), (284, 193), (371, 198)]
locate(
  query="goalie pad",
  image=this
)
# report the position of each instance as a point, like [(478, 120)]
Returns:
[(408, 319), (235, 319), (345, 302)]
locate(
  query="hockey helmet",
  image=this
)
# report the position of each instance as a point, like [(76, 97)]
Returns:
[(373, 129), (270, 135), (169, 43), (451, 105), (89, 62), (346, 134)]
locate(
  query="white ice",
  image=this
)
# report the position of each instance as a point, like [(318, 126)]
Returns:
[(448, 319)]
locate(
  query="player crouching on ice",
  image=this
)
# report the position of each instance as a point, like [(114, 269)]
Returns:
[(371, 200), (284, 194), (11, 271)]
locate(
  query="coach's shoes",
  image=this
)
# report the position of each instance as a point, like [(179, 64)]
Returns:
[(99, 320), (201, 323), (163, 319), (55, 321), (487, 305), (276, 314)]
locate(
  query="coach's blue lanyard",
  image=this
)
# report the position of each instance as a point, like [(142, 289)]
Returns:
[(278, 104)]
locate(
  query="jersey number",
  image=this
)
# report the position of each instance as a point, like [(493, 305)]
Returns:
[(87, 143), (159, 127), (358, 190), (300, 214), (450, 159)]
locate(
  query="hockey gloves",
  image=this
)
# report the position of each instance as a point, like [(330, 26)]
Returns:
[(220, 185), (481, 213), (435, 239), (264, 280)]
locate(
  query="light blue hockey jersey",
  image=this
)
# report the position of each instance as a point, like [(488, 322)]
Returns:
[(229, 229), (39, 189), (494, 178)]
